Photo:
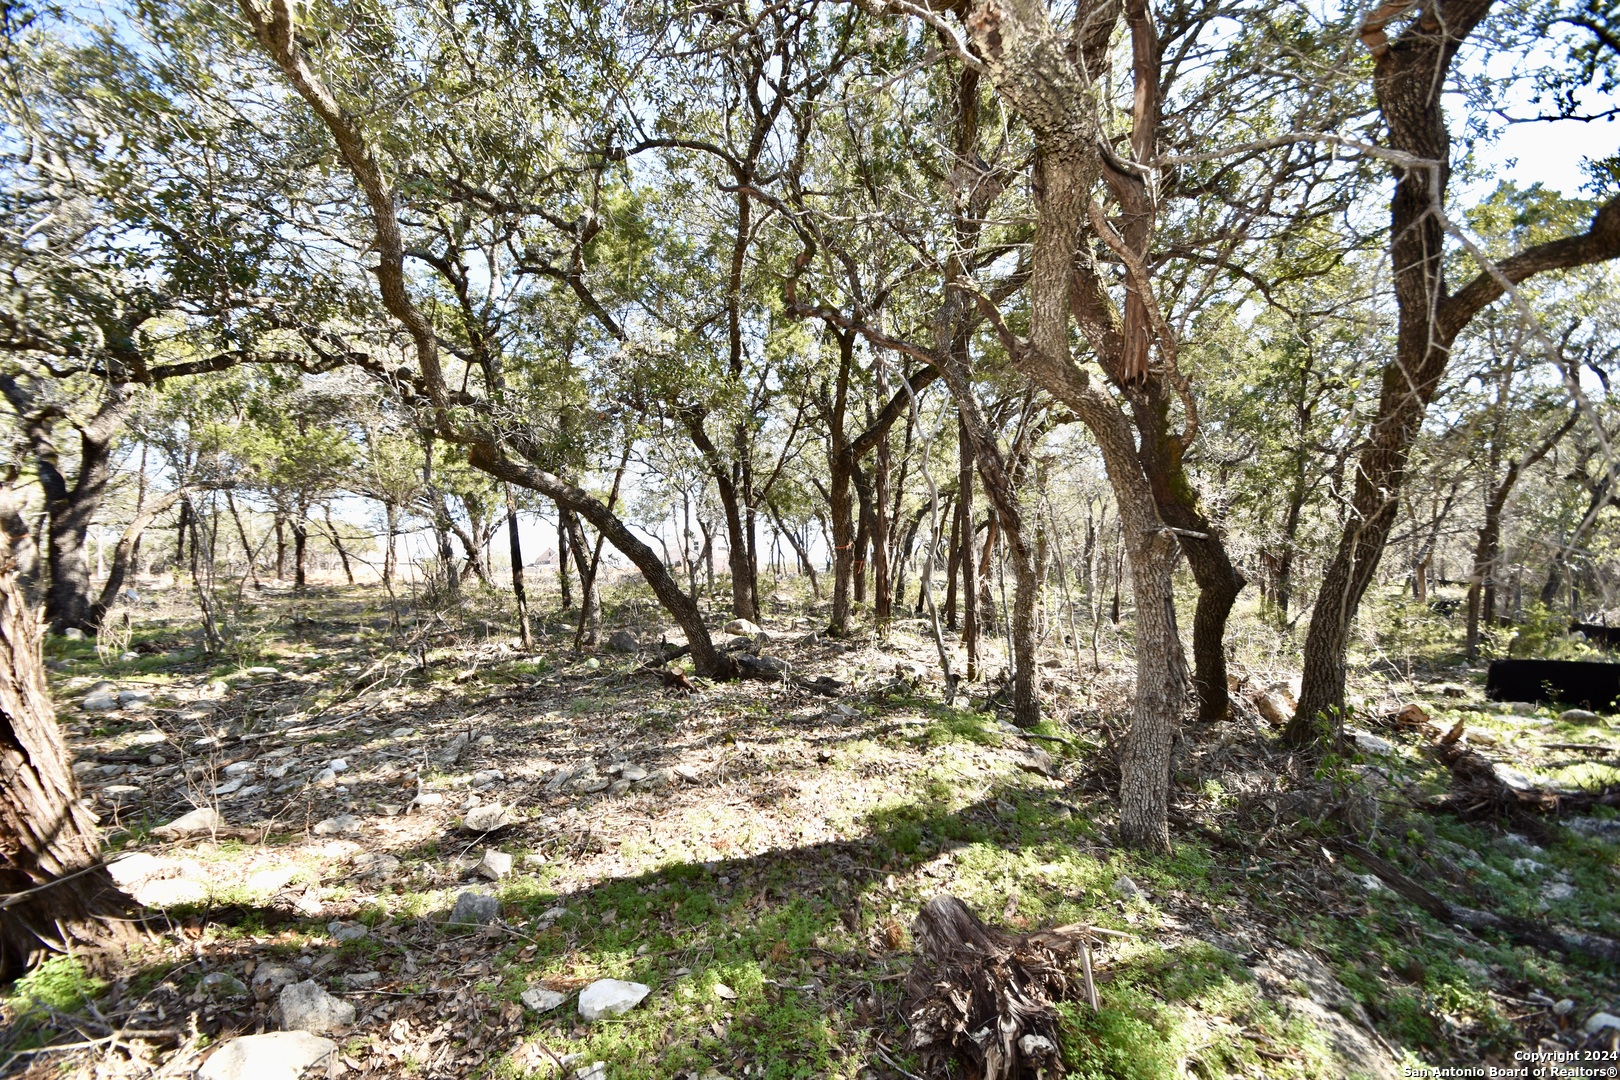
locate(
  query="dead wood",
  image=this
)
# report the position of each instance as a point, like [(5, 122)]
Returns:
[(1546, 938), (1481, 792), (979, 999)]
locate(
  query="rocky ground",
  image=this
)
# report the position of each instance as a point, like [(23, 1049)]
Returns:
[(421, 850)]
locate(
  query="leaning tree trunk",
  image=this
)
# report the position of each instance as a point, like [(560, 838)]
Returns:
[(58, 896), (125, 551)]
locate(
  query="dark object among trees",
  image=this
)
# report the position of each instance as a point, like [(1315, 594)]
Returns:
[(54, 892), (1606, 636), (1569, 682)]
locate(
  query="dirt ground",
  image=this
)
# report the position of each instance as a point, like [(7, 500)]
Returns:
[(754, 854)]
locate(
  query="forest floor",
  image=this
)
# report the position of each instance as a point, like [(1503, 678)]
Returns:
[(755, 854)]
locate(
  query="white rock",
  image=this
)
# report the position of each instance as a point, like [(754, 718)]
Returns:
[(495, 865), (610, 997), (542, 1000), (1368, 743), (201, 820), (99, 701), (73, 633), (305, 1006), (337, 826), (1369, 883), (375, 863), (1598, 1021), (1527, 867), (487, 818), (338, 765), (222, 984), (1579, 716), (633, 773), (229, 787), (134, 697), (133, 869), (346, 931), (240, 768), (596, 1070), (1128, 889), (1555, 891), (275, 1055), (429, 798), (742, 626), (359, 980), (1036, 1045)]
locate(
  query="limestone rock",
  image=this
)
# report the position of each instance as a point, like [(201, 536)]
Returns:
[(1368, 743), (99, 701), (487, 817), (742, 626), (337, 826), (610, 997), (201, 820), (542, 1000), (275, 1055), (495, 865), (222, 984), (1599, 1021), (1579, 716), (623, 641), (475, 909), (306, 1006)]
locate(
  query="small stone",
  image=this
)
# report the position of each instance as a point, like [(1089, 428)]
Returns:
[(658, 778), (1369, 883), (618, 787), (1579, 716), (402, 733), (127, 698), (201, 820), (1519, 708), (275, 1055), (486, 741), (73, 633), (99, 701), (475, 909), (324, 778), (337, 826), (338, 765), (268, 979), (589, 785), (742, 626), (1554, 891), (596, 1070), (222, 984), (1127, 889), (1563, 1007), (1599, 1021), (592, 663), (724, 992), (542, 1000), (346, 931), (487, 817), (120, 794), (453, 750), (610, 997), (197, 710), (375, 863), (1035, 1046), (306, 1006), (623, 641), (633, 773), (495, 865), (1368, 743), (429, 798), (534, 860), (687, 772), (359, 980), (240, 768)]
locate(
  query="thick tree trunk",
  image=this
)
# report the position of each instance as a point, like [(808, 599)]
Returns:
[(56, 895)]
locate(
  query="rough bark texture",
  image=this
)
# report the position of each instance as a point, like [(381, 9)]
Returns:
[(1409, 77), (1033, 68), (118, 572), (47, 839), (979, 999)]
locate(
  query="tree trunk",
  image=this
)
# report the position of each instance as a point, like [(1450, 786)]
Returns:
[(57, 896), (391, 529), (300, 531), (241, 535), (125, 551), (520, 594), (563, 546), (970, 578), (281, 541), (337, 542)]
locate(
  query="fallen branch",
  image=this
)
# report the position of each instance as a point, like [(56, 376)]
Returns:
[(1546, 938)]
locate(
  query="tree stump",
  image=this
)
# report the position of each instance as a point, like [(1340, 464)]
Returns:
[(981, 998), (54, 892)]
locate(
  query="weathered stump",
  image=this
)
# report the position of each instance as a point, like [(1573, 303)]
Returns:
[(981, 997)]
